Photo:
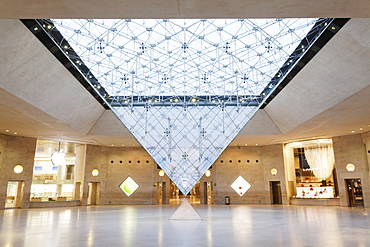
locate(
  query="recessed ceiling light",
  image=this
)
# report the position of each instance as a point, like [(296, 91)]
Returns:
[(353, 131), (15, 133)]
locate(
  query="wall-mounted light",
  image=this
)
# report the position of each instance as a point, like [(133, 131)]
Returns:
[(161, 173), (273, 172), (208, 173), (18, 169), (350, 167), (95, 172)]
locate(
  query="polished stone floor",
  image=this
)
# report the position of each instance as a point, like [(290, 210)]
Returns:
[(222, 225)]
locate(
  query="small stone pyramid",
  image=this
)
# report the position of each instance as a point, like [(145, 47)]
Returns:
[(185, 212)]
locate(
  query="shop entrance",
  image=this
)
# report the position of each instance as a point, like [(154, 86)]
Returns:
[(161, 192), (93, 194), (14, 194), (354, 193), (275, 191), (207, 192), (176, 197)]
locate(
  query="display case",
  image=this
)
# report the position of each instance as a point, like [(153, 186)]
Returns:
[(315, 192)]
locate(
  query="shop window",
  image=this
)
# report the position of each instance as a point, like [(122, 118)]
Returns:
[(53, 176), (314, 169)]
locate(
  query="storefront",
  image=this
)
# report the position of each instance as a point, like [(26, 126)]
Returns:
[(53, 174), (315, 174)]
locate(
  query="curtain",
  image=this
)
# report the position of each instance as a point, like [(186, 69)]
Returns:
[(321, 161)]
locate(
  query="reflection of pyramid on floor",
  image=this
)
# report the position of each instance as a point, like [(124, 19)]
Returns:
[(185, 212)]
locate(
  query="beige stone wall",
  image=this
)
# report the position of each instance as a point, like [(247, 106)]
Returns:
[(114, 167), (351, 149), (16, 150), (257, 172), (255, 166), (273, 158)]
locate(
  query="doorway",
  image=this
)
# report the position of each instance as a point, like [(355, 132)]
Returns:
[(77, 191), (161, 193), (93, 194), (354, 192), (275, 190), (207, 188), (14, 194)]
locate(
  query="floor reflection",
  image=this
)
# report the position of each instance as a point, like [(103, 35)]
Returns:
[(233, 225), (177, 200)]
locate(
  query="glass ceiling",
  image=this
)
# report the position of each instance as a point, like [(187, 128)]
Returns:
[(194, 57), (182, 86)]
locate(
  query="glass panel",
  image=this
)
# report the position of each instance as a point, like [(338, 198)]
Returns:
[(308, 180), (184, 57), (184, 88), (53, 174)]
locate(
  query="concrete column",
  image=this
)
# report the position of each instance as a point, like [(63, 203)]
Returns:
[(289, 171), (79, 170)]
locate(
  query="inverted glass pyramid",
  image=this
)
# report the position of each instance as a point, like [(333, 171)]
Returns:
[(184, 88)]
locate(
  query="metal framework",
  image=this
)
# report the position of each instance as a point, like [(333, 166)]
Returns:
[(184, 88)]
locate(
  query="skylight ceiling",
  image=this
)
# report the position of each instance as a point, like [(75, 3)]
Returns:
[(184, 88), (184, 57)]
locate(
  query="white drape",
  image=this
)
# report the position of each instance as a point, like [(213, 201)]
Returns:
[(321, 161)]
